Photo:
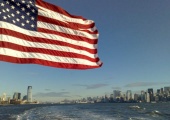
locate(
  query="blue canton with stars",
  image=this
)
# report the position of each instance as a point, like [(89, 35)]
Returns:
[(22, 13)]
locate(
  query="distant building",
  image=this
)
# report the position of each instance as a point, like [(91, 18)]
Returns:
[(25, 97), (162, 91), (106, 98), (142, 96), (148, 97), (17, 96), (136, 96), (167, 90), (116, 94), (4, 97), (8, 99), (128, 95), (124, 97), (29, 94), (111, 96), (158, 91), (157, 98), (151, 94)]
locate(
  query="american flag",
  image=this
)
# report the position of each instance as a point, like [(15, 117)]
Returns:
[(37, 32)]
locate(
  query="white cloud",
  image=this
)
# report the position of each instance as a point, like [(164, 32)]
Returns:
[(52, 94), (93, 86), (143, 84)]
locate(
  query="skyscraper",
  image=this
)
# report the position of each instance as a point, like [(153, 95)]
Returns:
[(150, 91), (4, 97), (162, 91), (148, 97), (158, 91), (143, 96), (116, 93), (29, 94), (128, 95), (167, 90), (25, 97), (15, 96)]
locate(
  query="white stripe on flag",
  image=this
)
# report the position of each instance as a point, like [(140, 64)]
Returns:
[(61, 17), (22, 42), (9, 26), (19, 54)]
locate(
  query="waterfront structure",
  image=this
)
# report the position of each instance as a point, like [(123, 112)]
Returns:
[(116, 94), (128, 95), (8, 99), (15, 96), (136, 97), (148, 97), (142, 96), (25, 97), (167, 90), (151, 95), (162, 91), (156, 98), (19, 96), (124, 97), (158, 91), (3, 97), (29, 94), (106, 98), (111, 96)]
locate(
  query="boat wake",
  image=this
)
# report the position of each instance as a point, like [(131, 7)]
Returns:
[(137, 108)]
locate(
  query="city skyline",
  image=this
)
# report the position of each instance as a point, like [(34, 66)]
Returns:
[(133, 46), (129, 94), (148, 96)]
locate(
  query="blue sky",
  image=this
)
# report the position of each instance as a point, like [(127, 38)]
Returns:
[(133, 45)]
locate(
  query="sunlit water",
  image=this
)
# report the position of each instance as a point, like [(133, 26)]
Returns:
[(103, 111)]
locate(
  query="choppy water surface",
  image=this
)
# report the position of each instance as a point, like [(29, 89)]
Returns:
[(105, 111)]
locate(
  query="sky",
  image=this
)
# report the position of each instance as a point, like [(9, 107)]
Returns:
[(134, 40)]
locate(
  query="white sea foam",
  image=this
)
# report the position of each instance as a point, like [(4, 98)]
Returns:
[(139, 118), (135, 107), (61, 113), (89, 112)]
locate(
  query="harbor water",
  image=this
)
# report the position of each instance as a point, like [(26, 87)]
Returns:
[(100, 111)]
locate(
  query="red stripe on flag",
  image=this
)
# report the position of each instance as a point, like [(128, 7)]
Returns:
[(74, 37), (46, 63), (45, 51), (56, 9), (44, 40), (68, 24)]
